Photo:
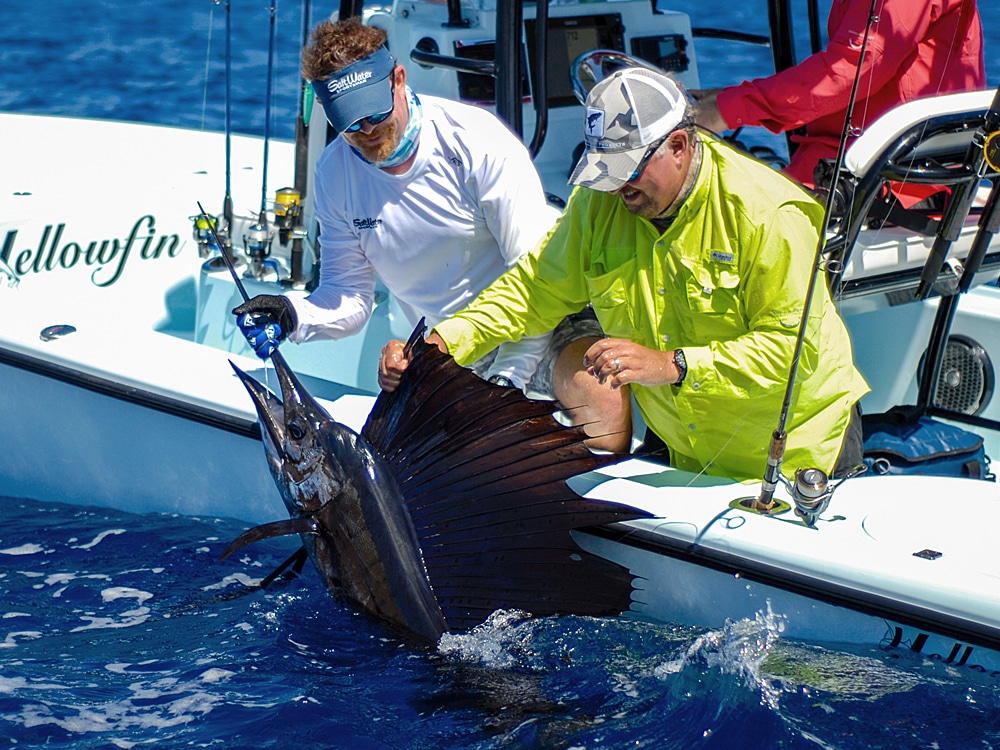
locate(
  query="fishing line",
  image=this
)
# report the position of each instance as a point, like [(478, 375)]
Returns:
[(966, 14), (224, 242), (208, 59), (776, 449)]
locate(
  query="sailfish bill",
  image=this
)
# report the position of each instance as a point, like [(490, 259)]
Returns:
[(451, 503)]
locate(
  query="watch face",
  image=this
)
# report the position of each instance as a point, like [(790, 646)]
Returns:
[(681, 363)]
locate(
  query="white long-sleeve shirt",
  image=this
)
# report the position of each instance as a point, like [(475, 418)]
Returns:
[(469, 206)]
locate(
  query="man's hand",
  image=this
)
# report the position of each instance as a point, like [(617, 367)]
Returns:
[(708, 109), (394, 361), (392, 365), (265, 321), (620, 361)]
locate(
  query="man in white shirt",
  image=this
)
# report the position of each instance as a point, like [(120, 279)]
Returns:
[(438, 198)]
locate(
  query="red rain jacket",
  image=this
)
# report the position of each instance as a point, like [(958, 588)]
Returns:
[(915, 49)]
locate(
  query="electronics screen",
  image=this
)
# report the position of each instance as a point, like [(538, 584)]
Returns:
[(568, 38), (667, 51)]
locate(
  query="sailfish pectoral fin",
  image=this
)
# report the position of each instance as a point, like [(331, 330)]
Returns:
[(270, 531)]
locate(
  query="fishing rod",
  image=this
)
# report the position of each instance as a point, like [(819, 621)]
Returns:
[(258, 242), (288, 201), (776, 449), (229, 261), (202, 235), (267, 109), (227, 202)]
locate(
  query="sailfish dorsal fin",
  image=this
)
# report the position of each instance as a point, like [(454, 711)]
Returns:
[(483, 471)]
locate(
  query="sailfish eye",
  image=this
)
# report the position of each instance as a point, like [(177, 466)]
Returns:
[(295, 431)]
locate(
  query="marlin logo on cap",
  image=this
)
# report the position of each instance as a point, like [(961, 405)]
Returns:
[(355, 78), (595, 123)]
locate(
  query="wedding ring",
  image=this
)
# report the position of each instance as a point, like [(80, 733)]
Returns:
[(618, 365)]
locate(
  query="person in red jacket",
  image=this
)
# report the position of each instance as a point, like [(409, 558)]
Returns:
[(916, 48)]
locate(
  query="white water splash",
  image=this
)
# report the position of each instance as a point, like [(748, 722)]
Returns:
[(739, 648), (99, 538), (126, 619), (216, 675), (24, 549), (500, 642), (153, 705), (235, 578), (11, 640), (60, 578), (122, 592)]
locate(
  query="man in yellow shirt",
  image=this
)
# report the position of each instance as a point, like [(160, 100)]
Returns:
[(696, 260)]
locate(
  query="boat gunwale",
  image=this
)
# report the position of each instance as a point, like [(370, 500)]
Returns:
[(110, 387)]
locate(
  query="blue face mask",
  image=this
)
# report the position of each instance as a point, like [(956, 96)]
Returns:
[(408, 143)]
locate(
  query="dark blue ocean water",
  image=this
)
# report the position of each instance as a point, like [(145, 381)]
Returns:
[(120, 631)]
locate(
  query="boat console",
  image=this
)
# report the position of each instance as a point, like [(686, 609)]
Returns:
[(454, 59)]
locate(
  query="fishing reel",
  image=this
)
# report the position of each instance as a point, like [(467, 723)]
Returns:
[(207, 235), (288, 214), (811, 491), (257, 244), (288, 218), (843, 191)]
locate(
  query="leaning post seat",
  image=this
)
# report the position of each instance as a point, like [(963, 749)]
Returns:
[(923, 142)]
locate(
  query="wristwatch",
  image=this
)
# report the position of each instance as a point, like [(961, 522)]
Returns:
[(680, 362), (501, 381)]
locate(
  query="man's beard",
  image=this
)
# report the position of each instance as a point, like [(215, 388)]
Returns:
[(380, 152), (645, 208)]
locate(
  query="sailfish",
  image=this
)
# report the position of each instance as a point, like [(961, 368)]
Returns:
[(450, 504)]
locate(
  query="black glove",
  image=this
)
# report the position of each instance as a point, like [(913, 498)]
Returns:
[(265, 321)]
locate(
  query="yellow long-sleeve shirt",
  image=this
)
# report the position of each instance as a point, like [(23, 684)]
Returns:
[(726, 282)]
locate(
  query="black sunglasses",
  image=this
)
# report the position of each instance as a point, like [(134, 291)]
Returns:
[(653, 148), (375, 119)]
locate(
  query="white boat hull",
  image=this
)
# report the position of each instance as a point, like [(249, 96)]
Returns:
[(895, 559)]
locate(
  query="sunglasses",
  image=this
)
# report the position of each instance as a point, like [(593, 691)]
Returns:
[(646, 157), (374, 119)]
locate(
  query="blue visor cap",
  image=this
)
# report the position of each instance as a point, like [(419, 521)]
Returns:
[(362, 89)]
